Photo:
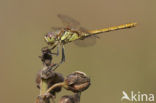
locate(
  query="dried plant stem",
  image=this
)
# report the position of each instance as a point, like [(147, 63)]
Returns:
[(43, 89), (43, 86), (54, 86)]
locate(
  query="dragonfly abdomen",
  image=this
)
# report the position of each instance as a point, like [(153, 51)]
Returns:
[(123, 26)]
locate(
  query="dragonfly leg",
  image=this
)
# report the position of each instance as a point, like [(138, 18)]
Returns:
[(53, 47), (57, 53), (62, 59), (63, 55)]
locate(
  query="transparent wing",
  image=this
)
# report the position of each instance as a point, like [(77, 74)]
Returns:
[(68, 21), (75, 25), (89, 41), (56, 28)]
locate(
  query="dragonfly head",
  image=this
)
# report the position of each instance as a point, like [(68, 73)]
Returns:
[(50, 38)]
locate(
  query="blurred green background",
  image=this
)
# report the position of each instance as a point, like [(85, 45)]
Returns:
[(120, 60)]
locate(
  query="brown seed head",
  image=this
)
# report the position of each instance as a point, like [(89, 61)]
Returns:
[(52, 78), (70, 98), (77, 82)]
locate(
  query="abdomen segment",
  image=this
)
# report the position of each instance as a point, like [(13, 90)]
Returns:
[(123, 26)]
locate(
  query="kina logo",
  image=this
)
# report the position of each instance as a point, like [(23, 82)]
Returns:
[(138, 96)]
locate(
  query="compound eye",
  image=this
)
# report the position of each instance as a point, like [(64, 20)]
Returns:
[(51, 34)]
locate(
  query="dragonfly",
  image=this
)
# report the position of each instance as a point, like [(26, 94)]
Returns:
[(73, 31)]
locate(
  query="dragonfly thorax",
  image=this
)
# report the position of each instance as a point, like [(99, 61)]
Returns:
[(69, 36)]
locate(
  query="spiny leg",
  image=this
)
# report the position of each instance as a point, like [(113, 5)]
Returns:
[(55, 66), (57, 53), (63, 55)]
